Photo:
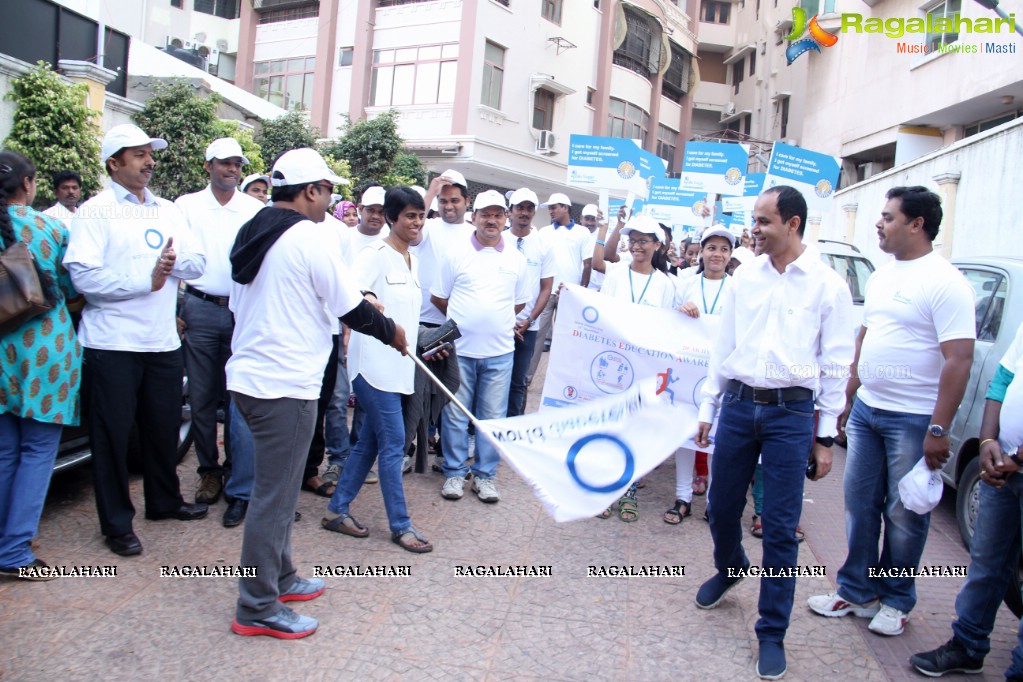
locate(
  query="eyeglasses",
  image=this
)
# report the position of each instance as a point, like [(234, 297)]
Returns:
[(328, 188), (640, 242)]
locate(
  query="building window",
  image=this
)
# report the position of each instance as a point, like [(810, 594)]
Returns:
[(990, 123), (273, 16), (590, 93), (741, 124), (784, 117), (675, 84), (627, 120), (944, 10), (551, 10), (493, 75), (345, 56), (414, 75), (641, 49), (714, 12), (543, 110), (288, 83), (667, 142), (226, 9), (394, 3), (817, 6), (176, 3), (752, 63), (738, 70)]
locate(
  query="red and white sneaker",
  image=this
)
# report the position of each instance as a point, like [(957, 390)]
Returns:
[(833, 606), (889, 621)]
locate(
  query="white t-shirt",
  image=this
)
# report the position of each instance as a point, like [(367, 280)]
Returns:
[(358, 241), (655, 289), (432, 250), (215, 228), (115, 244), (571, 247), (540, 264), (1010, 425), (284, 317), (596, 278), (909, 309), (382, 270), (707, 294), (483, 284), (61, 213)]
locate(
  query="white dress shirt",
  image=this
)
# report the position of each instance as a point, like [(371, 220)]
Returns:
[(780, 330)]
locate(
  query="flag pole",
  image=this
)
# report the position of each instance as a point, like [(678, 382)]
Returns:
[(444, 389)]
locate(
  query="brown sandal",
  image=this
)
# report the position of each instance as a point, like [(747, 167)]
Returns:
[(322, 488), (412, 541), (346, 525)]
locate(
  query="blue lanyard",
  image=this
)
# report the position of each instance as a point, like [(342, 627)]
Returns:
[(704, 295), (632, 292)]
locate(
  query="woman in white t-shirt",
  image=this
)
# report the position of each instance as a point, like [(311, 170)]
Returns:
[(700, 296), (644, 281), (381, 375)]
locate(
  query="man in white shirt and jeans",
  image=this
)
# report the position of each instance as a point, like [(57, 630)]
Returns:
[(914, 353), (214, 215), (784, 331), (482, 286), (289, 274), (127, 253)]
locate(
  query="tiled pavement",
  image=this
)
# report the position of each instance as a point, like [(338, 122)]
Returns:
[(434, 625)]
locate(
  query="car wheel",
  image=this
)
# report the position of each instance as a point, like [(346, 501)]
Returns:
[(1013, 595), (968, 500)]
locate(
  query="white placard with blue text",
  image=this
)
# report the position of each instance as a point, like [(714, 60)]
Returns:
[(812, 173), (612, 163), (714, 167), (752, 187), (670, 204)]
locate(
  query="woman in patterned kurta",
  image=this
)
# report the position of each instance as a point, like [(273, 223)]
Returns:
[(40, 372)]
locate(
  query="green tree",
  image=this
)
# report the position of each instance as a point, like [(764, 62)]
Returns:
[(407, 169), (55, 129), (285, 133), (370, 146), (253, 152), (340, 166), (189, 123)]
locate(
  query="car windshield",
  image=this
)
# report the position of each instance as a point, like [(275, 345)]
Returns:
[(855, 270)]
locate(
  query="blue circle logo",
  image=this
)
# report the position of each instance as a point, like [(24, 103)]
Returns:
[(573, 453), (590, 314), (153, 235)]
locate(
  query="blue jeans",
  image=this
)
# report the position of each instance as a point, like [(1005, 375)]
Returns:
[(27, 451), (239, 481), (883, 447), (996, 539), (336, 436), (523, 354), (383, 436), (782, 437), (485, 384)]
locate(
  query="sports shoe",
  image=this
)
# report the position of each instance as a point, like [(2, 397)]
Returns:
[(771, 661), (950, 657), (889, 621), (285, 624), (209, 489), (332, 474), (833, 606), (371, 476), (714, 590), (485, 489), (452, 489), (406, 464), (304, 589)]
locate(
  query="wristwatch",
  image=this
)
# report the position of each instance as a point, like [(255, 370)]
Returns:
[(1014, 456), (937, 430), (826, 441)]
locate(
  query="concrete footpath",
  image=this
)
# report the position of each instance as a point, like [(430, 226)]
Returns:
[(435, 624)]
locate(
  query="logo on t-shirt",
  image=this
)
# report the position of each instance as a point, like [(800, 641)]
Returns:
[(154, 239), (902, 299)]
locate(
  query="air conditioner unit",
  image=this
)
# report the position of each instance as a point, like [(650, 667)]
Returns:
[(214, 57), (222, 45), (188, 44), (545, 144), (728, 110)]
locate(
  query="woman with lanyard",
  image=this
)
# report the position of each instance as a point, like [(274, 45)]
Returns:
[(381, 375), (700, 296), (644, 281)]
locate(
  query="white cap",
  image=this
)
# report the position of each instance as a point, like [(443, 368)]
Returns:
[(456, 178), (524, 194), (742, 254), (718, 231), (488, 199), (302, 166), (127, 135), (557, 198), (419, 190), (249, 179), (920, 489), (373, 196), (643, 224), (225, 148), (589, 209)]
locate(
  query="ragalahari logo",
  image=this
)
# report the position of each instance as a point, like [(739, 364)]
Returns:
[(818, 36)]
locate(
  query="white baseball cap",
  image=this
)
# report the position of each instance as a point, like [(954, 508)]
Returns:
[(488, 199), (718, 231), (302, 166), (225, 148), (643, 224), (557, 198), (249, 179), (456, 178), (419, 190), (590, 209), (127, 135), (373, 196), (524, 194)]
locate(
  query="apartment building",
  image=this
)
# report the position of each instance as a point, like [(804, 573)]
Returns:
[(493, 88)]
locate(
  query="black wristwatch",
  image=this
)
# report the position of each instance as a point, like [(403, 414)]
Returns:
[(1014, 456), (826, 441)]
